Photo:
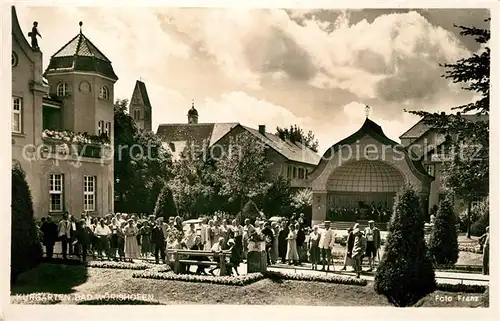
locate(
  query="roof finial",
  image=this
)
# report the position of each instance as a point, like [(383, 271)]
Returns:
[(192, 103), (80, 24), (367, 111)]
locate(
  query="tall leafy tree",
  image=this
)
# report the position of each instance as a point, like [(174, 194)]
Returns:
[(242, 171), (466, 175), (192, 184), (296, 134), (278, 199), (141, 164)]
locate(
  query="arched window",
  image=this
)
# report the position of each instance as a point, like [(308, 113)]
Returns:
[(137, 114), (62, 89), (104, 93)]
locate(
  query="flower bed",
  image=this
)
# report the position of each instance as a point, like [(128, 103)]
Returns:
[(473, 249), (248, 278), (224, 280), (463, 288), (67, 136), (118, 265), (315, 278), (464, 268)]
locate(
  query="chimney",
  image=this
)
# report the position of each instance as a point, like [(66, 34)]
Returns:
[(262, 129)]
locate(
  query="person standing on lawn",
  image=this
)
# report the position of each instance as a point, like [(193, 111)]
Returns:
[(358, 249), (314, 249), (326, 244), (84, 236), (64, 234), (49, 230), (158, 240), (103, 234), (301, 238), (269, 239), (349, 245), (275, 248), (372, 235), (131, 246), (235, 258), (282, 242), (292, 255), (485, 241)]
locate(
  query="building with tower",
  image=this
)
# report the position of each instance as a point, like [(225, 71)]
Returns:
[(62, 125), (140, 107)]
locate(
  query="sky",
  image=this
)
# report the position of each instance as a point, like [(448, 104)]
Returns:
[(314, 68)]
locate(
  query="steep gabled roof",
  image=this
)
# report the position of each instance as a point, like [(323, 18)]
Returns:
[(293, 151), (422, 127), (179, 136), (80, 54)]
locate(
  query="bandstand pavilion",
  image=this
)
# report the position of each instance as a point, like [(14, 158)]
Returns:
[(365, 168)]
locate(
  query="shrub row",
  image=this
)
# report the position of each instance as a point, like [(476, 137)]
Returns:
[(224, 280), (463, 288), (118, 265)]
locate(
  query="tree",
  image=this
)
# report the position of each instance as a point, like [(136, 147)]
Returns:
[(467, 174), (141, 164), (443, 241), (278, 199), (26, 249), (405, 273), (165, 204), (482, 210), (192, 185), (296, 134), (242, 171), (249, 211), (302, 202)]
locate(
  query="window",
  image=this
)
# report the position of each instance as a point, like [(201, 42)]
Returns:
[(294, 172), (100, 127), (301, 173), (17, 109), (62, 89), (89, 193), (56, 192), (431, 169), (107, 128), (137, 114), (289, 171), (104, 93)]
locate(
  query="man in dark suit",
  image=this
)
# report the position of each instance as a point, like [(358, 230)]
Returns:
[(158, 240), (49, 230)]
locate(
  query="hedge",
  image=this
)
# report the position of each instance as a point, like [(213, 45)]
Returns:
[(473, 249)]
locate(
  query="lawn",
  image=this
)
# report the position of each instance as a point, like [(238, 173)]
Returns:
[(265, 292)]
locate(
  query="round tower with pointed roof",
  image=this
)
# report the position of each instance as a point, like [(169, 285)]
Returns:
[(82, 77), (192, 115)]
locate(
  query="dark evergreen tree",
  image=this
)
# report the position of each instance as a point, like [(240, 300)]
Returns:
[(278, 199), (165, 204), (443, 241), (249, 211), (26, 248), (405, 273)]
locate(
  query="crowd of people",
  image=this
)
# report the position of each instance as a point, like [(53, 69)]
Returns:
[(127, 237)]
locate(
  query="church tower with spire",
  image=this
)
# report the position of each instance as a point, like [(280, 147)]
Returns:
[(140, 106), (192, 115)]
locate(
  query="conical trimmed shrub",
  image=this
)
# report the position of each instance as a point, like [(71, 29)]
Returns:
[(443, 242), (405, 273), (26, 248), (165, 204)]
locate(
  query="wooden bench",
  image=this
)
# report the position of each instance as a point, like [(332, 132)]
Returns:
[(179, 260)]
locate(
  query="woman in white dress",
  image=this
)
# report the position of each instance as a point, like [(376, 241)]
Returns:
[(291, 254), (131, 247)]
